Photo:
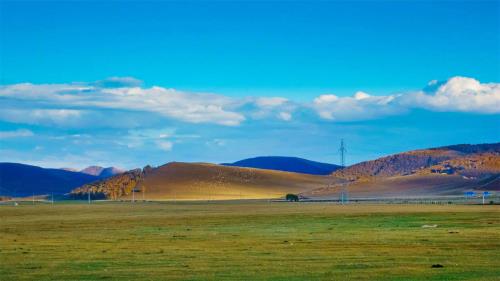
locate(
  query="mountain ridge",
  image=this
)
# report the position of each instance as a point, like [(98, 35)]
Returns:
[(287, 164), (101, 171), (441, 170), (23, 180)]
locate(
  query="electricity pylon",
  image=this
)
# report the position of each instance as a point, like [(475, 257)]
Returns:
[(344, 194)]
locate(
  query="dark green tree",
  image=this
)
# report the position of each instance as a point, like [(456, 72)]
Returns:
[(292, 197)]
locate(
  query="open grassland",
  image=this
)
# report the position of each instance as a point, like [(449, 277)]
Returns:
[(248, 241)]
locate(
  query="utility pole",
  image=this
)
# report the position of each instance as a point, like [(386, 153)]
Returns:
[(33, 198), (52, 198), (133, 195), (88, 196), (343, 194), (342, 151)]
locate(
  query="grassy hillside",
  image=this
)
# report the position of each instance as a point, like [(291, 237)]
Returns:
[(449, 170), (190, 181), (413, 161), (429, 172), (111, 188)]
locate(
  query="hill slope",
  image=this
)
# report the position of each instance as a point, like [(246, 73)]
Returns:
[(411, 162), (200, 181), (24, 180), (448, 170), (288, 164)]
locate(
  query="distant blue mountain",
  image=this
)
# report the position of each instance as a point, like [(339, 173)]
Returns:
[(101, 172), (23, 180), (288, 164)]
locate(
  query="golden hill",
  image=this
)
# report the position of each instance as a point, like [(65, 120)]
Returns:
[(447, 170), (412, 162), (387, 177), (201, 181)]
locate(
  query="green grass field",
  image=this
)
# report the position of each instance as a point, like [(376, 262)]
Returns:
[(248, 241)]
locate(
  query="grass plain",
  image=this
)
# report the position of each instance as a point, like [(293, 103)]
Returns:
[(248, 240)]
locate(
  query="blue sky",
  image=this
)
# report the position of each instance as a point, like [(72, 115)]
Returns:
[(129, 84)]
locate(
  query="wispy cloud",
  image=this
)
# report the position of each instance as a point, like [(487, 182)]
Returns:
[(165, 145), (39, 116), (118, 82), (16, 133)]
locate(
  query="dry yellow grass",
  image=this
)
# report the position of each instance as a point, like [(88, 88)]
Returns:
[(192, 181)]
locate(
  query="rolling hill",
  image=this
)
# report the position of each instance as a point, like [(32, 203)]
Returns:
[(448, 170), (411, 162), (201, 181), (24, 180), (287, 164)]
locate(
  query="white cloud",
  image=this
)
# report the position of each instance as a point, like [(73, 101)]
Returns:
[(119, 102), (16, 133), (270, 102), (277, 107), (145, 134), (286, 116), (361, 95), (118, 82), (457, 94), (38, 116), (163, 138), (216, 142), (138, 137), (359, 107), (188, 107), (165, 145)]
